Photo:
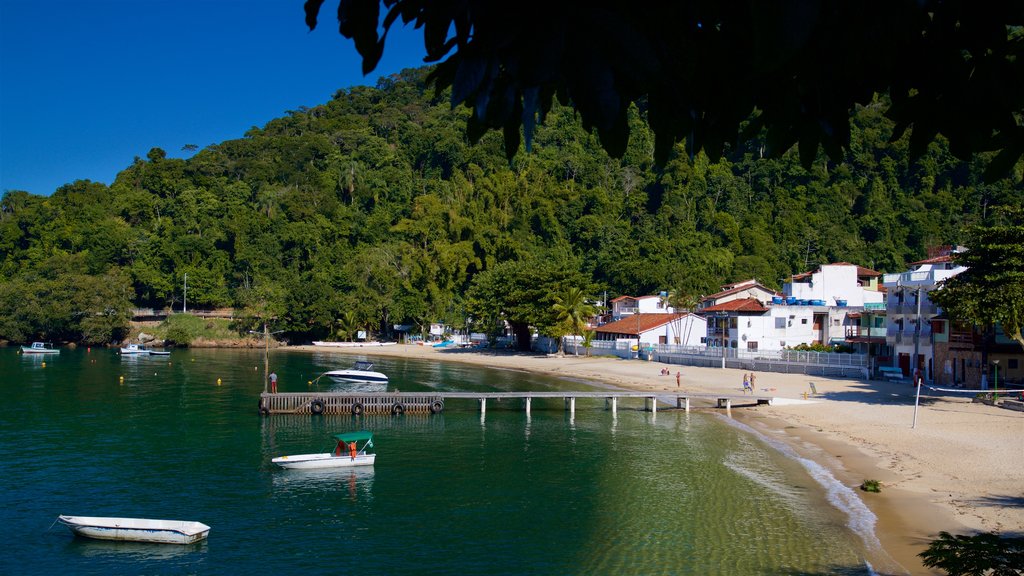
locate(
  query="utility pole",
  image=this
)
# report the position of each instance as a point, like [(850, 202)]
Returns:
[(266, 356), (918, 376)]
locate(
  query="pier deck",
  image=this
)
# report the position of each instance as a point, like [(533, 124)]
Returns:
[(434, 402)]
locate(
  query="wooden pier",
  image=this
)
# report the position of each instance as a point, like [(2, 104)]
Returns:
[(434, 402)]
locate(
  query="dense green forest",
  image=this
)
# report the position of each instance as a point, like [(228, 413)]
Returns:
[(373, 209)]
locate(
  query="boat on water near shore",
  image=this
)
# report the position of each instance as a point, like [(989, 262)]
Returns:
[(136, 529), (40, 348), (134, 350), (360, 373), (347, 453)]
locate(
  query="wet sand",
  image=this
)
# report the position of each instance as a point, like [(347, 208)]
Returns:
[(959, 469)]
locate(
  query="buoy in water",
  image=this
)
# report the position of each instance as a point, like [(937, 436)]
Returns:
[(44, 364), (218, 381)]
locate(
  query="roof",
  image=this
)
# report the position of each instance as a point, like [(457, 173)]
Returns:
[(935, 260), (739, 287), (738, 305), (354, 436), (640, 323), (624, 297)]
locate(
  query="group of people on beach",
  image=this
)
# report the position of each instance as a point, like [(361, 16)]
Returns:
[(679, 375), (749, 383)]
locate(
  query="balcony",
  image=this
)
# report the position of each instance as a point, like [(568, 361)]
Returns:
[(865, 332)]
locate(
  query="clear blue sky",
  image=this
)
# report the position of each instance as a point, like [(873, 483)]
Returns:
[(88, 85)]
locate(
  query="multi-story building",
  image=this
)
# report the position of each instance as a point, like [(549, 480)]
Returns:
[(912, 316), (825, 306)]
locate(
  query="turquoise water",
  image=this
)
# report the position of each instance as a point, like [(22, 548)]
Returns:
[(638, 493)]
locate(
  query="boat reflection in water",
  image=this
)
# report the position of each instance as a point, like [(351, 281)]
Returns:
[(132, 551), (356, 482)]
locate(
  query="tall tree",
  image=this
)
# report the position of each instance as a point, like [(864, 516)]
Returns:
[(572, 310), (991, 291)]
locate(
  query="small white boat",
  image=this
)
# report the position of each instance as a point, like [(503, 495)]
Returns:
[(40, 348), (134, 350), (360, 373), (159, 352), (348, 452), (136, 529)]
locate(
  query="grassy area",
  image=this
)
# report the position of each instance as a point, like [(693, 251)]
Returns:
[(185, 329)]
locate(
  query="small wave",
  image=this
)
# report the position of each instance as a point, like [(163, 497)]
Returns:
[(860, 519)]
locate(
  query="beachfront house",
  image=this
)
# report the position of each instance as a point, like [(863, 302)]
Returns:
[(655, 328), (824, 306), (912, 319), (743, 290), (625, 306)]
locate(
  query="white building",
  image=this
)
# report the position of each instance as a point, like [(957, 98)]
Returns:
[(747, 324), (840, 284), (624, 306), (819, 307), (744, 290), (909, 311), (656, 328)]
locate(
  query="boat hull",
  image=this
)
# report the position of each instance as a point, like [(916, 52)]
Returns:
[(357, 377), (136, 529), (31, 350), (324, 460)]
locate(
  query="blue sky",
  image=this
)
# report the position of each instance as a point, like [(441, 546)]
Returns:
[(88, 85)]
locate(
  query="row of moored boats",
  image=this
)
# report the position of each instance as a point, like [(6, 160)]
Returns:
[(351, 449), (130, 350)]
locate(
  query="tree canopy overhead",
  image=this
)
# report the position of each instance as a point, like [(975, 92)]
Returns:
[(711, 72)]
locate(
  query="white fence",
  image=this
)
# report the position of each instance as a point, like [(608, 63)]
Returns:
[(796, 361)]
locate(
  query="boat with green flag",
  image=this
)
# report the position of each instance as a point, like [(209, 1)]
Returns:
[(352, 449)]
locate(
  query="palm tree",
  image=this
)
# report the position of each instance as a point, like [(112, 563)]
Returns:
[(347, 325), (573, 309)]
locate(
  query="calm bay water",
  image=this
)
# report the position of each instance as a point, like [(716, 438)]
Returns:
[(455, 493)]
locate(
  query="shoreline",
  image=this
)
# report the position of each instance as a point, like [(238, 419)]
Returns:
[(955, 471)]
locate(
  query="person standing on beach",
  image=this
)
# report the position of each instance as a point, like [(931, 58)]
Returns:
[(753, 385), (746, 383), (679, 375)]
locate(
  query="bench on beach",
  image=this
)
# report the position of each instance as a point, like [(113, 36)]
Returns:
[(892, 373)]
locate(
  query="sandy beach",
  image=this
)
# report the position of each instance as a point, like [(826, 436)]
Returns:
[(959, 469)]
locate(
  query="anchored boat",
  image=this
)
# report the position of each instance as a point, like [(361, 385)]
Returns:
[(136, 529), (360, 373), (40, 348), (351, 450)]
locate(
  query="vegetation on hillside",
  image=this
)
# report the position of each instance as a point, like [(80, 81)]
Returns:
[(373, 210)]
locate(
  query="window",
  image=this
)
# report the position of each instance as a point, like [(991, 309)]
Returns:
[(732, 344), (703, 339), (782, 343), (803, 320), (780, 322), (751, 345)]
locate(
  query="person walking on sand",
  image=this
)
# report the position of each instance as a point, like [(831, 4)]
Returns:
[(746, 383)]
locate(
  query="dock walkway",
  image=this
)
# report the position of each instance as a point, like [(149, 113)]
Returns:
[(434, 402)]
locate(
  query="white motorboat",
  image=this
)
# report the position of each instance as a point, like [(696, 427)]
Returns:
[(348, 452), (39, 348), (159, 352), (134, 350), (136, 529), (360, 373)]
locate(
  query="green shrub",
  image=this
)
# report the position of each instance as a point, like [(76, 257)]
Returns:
[(871, 486)]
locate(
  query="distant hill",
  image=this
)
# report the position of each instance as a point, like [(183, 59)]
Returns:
[(373, 209)]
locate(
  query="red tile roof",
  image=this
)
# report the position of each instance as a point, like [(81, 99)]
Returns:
[(936, 260), (644, 322), (738, 305)]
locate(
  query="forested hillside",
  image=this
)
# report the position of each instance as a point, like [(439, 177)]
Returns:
[(373, 209)]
